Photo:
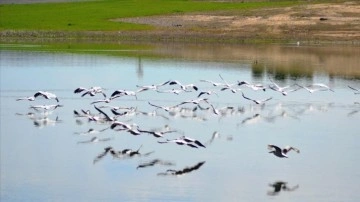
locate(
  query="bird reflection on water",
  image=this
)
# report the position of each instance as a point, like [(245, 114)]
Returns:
[(120, 154), (41, 120), (183, 171), (155, 162), (279, 186)]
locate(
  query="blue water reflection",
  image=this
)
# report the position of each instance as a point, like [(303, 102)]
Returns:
[(52, 155)]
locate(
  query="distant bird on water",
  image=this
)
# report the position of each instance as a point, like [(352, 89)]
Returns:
[(281, 153)]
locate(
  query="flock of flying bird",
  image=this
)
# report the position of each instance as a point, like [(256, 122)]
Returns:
[(176, 87)]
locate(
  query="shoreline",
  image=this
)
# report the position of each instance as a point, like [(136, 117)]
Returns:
[(15, 36)]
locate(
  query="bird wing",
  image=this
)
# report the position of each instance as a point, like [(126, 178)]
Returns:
[(117, 113), (80, 89), (275, 84), (88, 92), (117, 92), (185, 102), (163, 142), (195, 87), (174, 82), (155, 105), (267, 99), (106, 116), (102, 154), (213, 83), (191, 145), (204, 92), (22, 98), (353, 88), (199, 143), (76, 113), (270, 146), (192, 168), (224, 80), (97, 101), (39, 93), (288, 148), (117, 123), (246, 97), (162, 84)]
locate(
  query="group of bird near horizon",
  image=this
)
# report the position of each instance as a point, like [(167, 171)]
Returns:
[(202, 101)]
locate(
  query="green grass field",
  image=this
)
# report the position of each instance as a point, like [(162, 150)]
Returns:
[(97, 15)]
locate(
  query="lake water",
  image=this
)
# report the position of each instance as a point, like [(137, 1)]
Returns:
[(43, 157)]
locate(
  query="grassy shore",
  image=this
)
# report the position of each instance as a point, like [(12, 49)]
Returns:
[(128, 20), (98, 15)]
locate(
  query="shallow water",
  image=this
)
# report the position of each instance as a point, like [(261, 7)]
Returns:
[(42, 158)]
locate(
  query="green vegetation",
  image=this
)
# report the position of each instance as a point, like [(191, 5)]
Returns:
[(98, 15)]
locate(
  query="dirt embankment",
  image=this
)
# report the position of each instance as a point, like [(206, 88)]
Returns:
[(327, 22), (339, 22)]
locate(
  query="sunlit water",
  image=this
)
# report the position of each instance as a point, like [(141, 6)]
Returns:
[(42, 158)]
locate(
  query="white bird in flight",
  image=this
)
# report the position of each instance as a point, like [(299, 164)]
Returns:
[(119, 93), (44, 94), (92, 91), (281, 153), (281, 89), (254, 87), (151, 87), (184, 87)]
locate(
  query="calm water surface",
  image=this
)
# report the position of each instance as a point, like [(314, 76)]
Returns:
[(43, 159)]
